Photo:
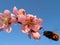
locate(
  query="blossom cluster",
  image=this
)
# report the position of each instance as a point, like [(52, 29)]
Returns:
[(30, 24)]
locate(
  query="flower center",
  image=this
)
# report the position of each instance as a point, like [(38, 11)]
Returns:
[(6, 21), (29, 22)]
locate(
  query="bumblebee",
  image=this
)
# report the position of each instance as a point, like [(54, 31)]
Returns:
[(51, 35)]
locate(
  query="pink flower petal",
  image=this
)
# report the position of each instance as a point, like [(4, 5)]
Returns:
[(13, 19), (25, 29), (38, 21), (35, 28), (8, 29), (36, 35), (29, 34), (22, 12), (1, 26), (7, 13), (21, 18), (15, 10)]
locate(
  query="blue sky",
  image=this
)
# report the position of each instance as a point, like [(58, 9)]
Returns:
[(48, 10)]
